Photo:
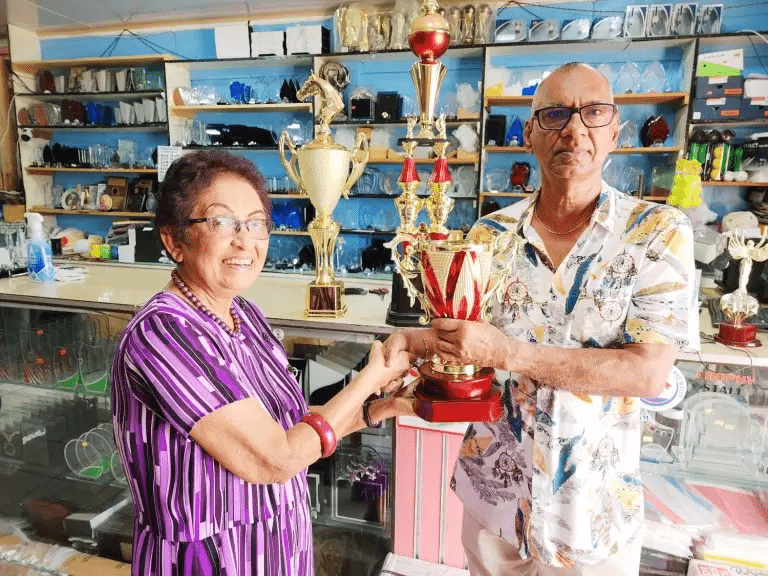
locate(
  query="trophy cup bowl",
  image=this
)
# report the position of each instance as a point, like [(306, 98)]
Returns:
[(321, 170), (460, 279)]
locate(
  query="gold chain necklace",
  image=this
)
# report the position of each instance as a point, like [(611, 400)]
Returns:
[(561, 233)]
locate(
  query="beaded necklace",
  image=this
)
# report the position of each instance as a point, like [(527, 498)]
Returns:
[(200, 306)]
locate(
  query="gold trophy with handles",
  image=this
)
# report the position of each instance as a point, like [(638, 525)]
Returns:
[(321, 170)]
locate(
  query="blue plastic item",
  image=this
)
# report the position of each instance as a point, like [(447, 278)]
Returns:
[(39, 254)]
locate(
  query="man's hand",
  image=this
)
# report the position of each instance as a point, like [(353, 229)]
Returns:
[(401, 341), (470, 342)]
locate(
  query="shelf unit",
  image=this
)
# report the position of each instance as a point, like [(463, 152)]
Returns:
[(39, 180)]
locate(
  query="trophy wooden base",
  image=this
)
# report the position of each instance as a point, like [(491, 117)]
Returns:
[(401, 312), (443, 397), (325, 301), (737, 335)]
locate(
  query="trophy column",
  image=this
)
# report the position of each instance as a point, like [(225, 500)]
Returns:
[(321, 169)]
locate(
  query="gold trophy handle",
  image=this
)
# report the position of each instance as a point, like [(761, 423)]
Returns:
[(358, 166), (290, 165), (407, 264), (501, 244)]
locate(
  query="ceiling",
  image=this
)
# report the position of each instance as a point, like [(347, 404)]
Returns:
[(57, 15)]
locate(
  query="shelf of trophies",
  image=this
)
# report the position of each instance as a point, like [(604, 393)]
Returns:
[(35, 66), (470, 159)]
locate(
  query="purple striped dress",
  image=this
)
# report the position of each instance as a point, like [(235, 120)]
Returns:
[(173, 366)]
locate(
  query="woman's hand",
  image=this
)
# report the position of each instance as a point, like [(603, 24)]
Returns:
[(387, 373), (412, 341), (470, 342)]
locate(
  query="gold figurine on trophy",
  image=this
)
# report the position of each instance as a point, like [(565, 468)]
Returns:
[(321, 169)]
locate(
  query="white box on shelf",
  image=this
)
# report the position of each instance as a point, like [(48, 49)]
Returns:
[(232, 40), (313, 39), (268, 43)]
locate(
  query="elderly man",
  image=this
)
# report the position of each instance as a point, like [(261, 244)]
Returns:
[(593, 316)]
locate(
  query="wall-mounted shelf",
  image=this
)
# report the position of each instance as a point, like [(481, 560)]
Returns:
[(679, 98), (655, 198), (40, 170), (153, 127), (290, 232), (735, 184), (506, 194), (191, 110), (638, 150), (34, 66), (398, 123), (473, 160), (44, 210), (91, 95), (649, 150)]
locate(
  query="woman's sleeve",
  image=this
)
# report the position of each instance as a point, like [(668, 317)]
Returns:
[(181, 369)]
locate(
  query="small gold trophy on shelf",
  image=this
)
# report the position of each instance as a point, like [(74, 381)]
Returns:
[(321, 169), (450, 276), (739, 304)]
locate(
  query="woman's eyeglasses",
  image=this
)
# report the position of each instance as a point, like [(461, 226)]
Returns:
[(592, 115), (227, 226)]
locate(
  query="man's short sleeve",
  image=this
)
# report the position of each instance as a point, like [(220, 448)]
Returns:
[(664, 303), (179, 370)]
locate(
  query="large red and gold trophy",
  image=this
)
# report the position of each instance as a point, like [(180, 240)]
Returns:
[(450, 276), (739, 305)]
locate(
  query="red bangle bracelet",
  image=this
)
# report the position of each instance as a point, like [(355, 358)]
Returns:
[(324, 430)]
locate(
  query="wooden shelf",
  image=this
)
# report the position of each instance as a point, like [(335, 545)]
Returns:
[(398, 123), (679, 98), (507, 149), (287, 196), (735, 184), (655, 198), (473, 160), (290, 232), (649, 150), (40, 170), (92, 95), (506, 194), (191, 110), (153, 127), (33, 66), (110, 214)]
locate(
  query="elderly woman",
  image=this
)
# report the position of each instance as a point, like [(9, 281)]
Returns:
[(211, 426)]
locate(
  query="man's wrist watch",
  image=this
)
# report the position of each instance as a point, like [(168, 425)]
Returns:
[(367, 412)]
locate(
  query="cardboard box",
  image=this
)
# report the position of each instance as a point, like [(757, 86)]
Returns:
[(13, 212), (314, 39), (716, 108), (117, 190), (753, 109), (718, 86)]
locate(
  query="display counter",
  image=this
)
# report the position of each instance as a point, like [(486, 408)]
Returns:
[(418, 456)]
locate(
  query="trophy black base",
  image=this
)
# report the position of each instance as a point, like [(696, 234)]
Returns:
[(440, 397), (325, 300), (401, 312)]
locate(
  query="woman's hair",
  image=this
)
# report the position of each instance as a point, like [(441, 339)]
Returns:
[(190, 176)]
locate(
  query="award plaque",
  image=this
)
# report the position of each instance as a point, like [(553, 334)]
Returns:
[(321, 170)]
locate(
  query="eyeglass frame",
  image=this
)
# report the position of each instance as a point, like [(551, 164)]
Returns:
[(573, 110), (238, 224)]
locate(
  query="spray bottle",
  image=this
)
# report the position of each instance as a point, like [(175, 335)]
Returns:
[(39, 253)]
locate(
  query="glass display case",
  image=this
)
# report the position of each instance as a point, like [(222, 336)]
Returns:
[(62, 480)]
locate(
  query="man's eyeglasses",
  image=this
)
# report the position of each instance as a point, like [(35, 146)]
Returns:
[(592, 115), (227, 226)]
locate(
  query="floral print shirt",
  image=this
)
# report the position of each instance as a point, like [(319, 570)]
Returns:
[(558, 474)]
